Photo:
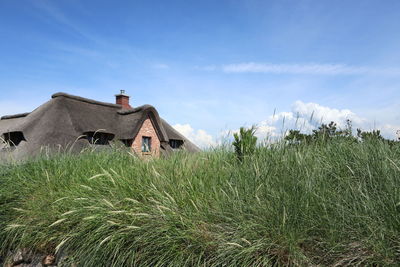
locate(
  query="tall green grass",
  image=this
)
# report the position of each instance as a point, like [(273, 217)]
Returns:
[(328, 204)]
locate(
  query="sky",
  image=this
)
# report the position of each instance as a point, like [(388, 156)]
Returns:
[(210, 67)]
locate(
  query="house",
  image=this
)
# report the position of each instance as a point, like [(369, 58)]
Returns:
[(73, 122)]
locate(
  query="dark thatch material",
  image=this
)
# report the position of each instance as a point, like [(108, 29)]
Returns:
[(62, 121)]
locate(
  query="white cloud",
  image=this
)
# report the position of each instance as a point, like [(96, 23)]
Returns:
[(303, 116), (308, 116), (390, 130), (322, 114), (200, 137), (307, 68)]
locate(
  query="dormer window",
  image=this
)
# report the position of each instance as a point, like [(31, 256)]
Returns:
[(127, 142), (175, 144), (146, 144), (99, 138), (13, 139)]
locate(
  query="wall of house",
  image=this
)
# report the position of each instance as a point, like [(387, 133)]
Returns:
[(147, 129)]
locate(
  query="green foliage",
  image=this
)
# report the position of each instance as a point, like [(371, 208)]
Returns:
[(245, 142), (369, 136), (296, 137), (375, 136), (324, 133), (329, 132), (335, 204)]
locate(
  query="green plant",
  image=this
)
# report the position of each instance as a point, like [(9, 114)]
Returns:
[(245, 142), (296, 137), (369, 136), (336, 204), (324, 133)]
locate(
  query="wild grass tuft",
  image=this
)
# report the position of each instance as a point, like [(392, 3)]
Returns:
[(327, 204)]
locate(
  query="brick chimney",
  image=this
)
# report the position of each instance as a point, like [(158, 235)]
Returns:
[(123, 100)]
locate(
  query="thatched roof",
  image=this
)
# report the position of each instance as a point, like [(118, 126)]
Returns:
[(60, 122)]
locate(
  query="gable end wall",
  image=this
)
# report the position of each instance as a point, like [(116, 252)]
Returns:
[(147, 129)]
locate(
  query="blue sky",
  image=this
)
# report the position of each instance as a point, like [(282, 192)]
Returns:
[(209, 66)]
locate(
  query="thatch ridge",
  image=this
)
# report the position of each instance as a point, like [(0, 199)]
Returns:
[(19, 115), (137, 109), (87, 100)]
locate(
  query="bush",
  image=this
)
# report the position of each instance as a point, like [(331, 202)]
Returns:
[(245, 142)]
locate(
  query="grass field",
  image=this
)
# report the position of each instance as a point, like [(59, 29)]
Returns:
[(336, 203)]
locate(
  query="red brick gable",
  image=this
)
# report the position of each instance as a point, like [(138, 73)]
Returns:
[(147, 130)]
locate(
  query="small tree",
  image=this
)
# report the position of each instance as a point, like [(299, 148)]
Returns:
[(325, 132), (245, 142), (368, 136), (295, 137)]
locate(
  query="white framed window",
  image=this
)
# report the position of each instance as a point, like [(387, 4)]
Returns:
[(146, 144)]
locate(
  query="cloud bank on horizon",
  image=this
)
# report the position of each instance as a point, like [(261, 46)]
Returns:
[(303, 116)]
